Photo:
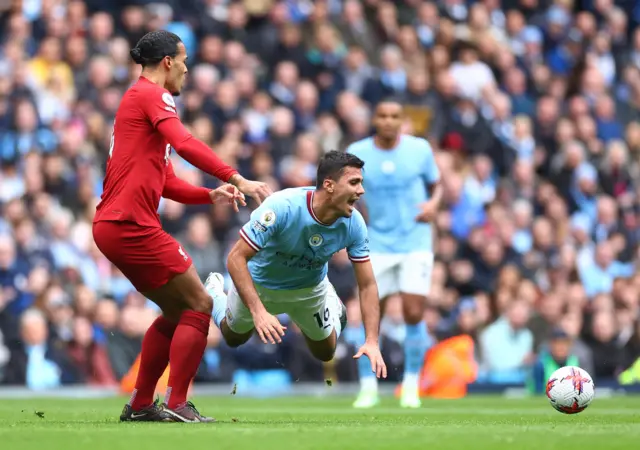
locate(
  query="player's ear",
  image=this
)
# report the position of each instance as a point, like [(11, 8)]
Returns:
[(328, 185)]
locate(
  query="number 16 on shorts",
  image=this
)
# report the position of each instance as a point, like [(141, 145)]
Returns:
[(323, 320)]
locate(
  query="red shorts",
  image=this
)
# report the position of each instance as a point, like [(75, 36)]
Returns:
[(148, 257)]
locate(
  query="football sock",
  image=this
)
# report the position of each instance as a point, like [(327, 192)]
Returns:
[(153, 361), (337, 315), (187, 347), (219, 308), (415, 346)]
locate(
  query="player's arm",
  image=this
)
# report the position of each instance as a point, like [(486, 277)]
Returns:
[(358, 253), (193, 150), (431, 177), (369, 299), (200, 155), (183, 192), (187, 194), (238, 266), (265, 222), (163, 115)]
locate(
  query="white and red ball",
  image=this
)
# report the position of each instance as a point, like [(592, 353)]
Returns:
[(570, 389)]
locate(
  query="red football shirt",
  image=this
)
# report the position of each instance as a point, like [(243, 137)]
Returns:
[(139, 154)]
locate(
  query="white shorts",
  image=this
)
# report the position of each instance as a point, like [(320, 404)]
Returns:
[(409, 273), (315, 310)]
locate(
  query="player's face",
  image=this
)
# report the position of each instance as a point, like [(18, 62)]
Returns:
[(388, 120), (177, 71), (347, 191)]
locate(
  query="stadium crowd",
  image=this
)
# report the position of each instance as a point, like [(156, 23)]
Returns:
[(532, 108)]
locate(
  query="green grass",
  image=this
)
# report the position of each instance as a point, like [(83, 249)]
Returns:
[(325, 423)]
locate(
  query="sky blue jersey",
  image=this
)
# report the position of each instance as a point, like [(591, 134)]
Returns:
[(293, 246), (396, 183)]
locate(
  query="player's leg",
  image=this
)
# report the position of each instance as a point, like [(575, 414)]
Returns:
[(415, 282), (385, 268), (321, 319), (159, 268), (115, 241), (229, 313), (189, 340)]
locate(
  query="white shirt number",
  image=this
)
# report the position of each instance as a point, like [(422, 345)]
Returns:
[(167, 151), (113, 139)]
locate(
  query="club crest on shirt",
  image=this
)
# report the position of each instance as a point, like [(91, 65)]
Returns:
[(268, 218), (316, 240)]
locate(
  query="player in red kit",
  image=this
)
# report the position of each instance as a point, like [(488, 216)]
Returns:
[(128, 232)]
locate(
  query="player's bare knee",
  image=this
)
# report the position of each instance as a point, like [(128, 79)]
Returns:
[(324, 355), (235, 340), (324, 351), (413, 307), (232, 338)]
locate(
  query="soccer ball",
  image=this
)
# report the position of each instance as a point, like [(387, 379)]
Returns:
[(570, 389)]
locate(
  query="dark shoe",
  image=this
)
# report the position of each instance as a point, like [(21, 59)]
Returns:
[(153, 413), (187, 413)]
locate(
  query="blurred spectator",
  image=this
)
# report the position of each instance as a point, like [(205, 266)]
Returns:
[(506, 346), (90, 357), (558, 354), (35, 362)]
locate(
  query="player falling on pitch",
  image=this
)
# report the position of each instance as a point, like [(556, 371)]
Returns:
[(279, 265), (403, 197), (127, 227)]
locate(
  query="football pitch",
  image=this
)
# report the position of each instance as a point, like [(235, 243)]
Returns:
[(305, 423)]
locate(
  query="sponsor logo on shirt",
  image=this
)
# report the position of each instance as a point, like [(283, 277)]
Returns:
[(257, 226)]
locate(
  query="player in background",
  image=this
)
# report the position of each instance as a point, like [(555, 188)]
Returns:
[(403, 197), (128, 232), (279, 265)]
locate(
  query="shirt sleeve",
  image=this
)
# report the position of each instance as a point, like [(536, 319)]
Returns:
[(265, 222), (182, 192), (430, 171), (159, 106), (358, 249), (194, 151)]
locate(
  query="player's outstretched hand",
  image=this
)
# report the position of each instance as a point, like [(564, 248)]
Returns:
[(255, 189), (228, 193), (268, 327), (372, 350), (428, 211)]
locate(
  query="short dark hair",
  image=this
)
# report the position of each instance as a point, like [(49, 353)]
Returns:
[(333, 163), (154, 46), (391, 100)]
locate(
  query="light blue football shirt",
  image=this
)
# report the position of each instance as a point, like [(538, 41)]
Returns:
[(396, 182), (293, 246)]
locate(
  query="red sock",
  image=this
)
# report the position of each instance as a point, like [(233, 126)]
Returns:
[(153, 361), (187, 348)]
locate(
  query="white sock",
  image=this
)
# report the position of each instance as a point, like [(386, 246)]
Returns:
[(219, 308), (369, 383), (410, 380), (336, 313)]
